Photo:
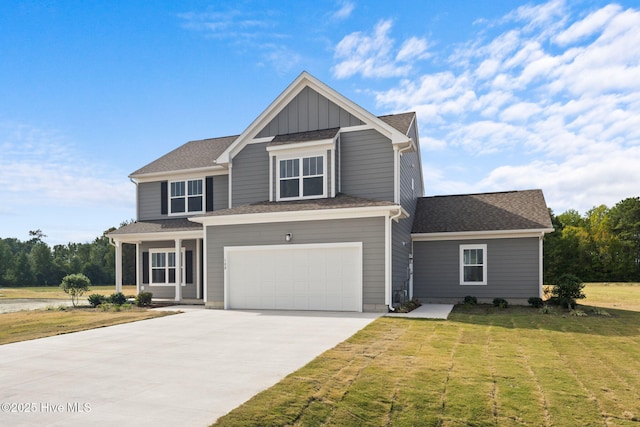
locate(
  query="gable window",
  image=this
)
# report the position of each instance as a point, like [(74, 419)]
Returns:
[(163, 267), (473, 264), (186, 196), (302, 177)]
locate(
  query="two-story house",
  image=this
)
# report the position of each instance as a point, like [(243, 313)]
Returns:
[(313, 207)]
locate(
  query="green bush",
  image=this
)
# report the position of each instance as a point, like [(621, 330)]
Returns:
[(500, 302), (470, 300), (75, 285), (568, 288), (96, 299), (143, 299), (536, 302), (117, 298)]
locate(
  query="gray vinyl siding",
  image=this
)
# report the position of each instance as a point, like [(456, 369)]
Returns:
[(306, 112), (250, 175), (149, 205), (512, 270), (366, 165), (149, 201), (369, 231), (168, 291), (220, 192)]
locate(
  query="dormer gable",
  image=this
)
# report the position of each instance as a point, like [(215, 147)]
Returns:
[(285, 112)]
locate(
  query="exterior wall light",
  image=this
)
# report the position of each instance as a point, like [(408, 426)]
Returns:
[(288, 237)]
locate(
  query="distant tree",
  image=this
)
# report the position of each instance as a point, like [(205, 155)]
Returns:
[(20, 273), (75, 285), (42, 264), (624, 221)]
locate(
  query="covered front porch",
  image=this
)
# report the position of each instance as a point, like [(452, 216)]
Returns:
[(157, 267)]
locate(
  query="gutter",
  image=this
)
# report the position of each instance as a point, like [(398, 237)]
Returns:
[(389, 262)]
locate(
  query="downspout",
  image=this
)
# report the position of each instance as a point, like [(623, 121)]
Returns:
[(390, 260)]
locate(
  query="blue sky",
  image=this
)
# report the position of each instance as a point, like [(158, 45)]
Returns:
[(509, 94)]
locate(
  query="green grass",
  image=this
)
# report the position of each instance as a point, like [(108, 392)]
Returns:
[(482, 367), (28, 325), (54, 292)]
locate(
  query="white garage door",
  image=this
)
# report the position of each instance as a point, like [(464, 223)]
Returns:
[(294, 277)]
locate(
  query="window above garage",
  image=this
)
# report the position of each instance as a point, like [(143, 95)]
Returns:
[(301, 165)]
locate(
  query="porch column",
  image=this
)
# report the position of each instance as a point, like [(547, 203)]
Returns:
[(138, 269), (118, 266), (178, 270), (198, 261)]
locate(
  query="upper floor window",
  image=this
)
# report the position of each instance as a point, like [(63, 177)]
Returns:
[(302, 177), (473, 264), (186, 196)]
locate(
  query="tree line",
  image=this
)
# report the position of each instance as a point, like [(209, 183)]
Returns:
[(603, 245), (34, 263)]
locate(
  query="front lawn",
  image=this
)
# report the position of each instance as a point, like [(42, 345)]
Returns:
[(54, 292), (482, 367), (27, 325)]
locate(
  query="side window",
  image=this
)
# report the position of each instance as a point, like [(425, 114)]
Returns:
[(473, 264)]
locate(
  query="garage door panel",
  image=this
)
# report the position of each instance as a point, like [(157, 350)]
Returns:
[(295, 277)]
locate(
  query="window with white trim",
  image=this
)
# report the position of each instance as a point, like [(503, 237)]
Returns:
[(473, 264), (296, 182), (162, 268), (186, 196)]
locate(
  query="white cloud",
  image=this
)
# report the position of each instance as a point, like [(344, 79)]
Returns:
[(371, 55), (345, 10), (40, 165), (554, 93)]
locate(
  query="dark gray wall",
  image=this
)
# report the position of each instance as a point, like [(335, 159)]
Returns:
[(366, 159), (369, 231), (513, 270), (308, 111), (220, 192)]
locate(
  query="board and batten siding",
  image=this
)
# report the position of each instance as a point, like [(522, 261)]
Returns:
[(250, 175), (308, 111), (513, 270), (366, 165), (369, 231)]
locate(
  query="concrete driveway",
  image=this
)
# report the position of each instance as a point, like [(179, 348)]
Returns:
[(187, 369)]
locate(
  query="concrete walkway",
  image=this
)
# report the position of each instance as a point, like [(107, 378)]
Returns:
[(182, 370), (427, 311)]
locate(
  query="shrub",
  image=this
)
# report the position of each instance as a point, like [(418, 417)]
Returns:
[(470, 300), (500, 302), (568, 289), (117, 298), (536, 302), (96, 299), (75, 285), (143, 299), (545, 309)]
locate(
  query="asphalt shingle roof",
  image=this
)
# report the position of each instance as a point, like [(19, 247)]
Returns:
[(512, 210), (315, 135), (341, 201), (192, 155), (400, 121), (158, 226)]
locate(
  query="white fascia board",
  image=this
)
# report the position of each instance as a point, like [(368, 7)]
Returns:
[(155, 237), (303, 80), (467, 235), (308, 215), (183, 173), (323, 144)]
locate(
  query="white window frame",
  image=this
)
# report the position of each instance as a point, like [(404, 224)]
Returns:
[(464, 248), (186, 196), (300, 158), (166, 252)]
